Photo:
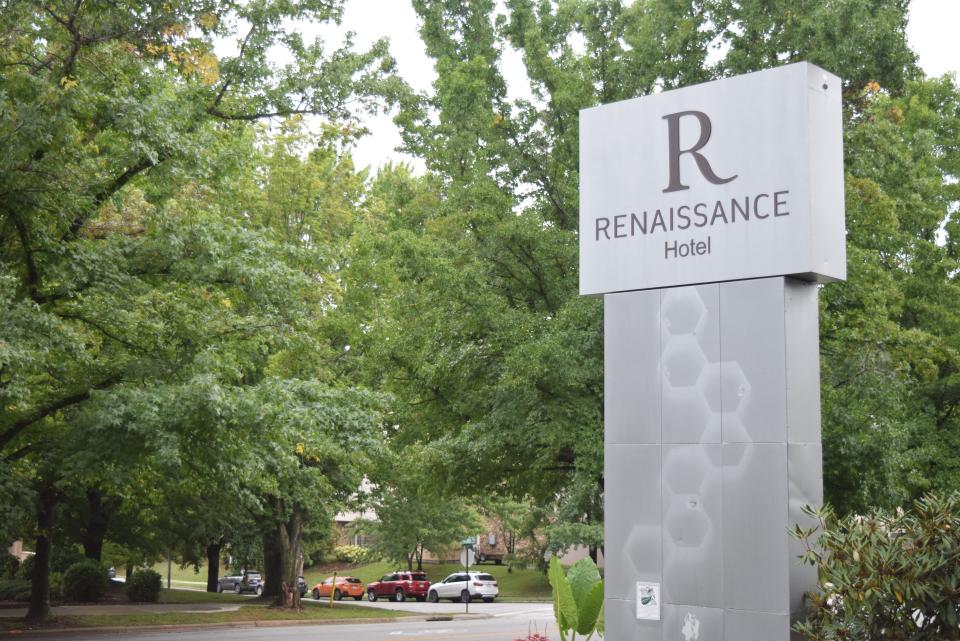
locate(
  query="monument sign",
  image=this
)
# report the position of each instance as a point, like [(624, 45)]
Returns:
[(708, 216), (733, 179)]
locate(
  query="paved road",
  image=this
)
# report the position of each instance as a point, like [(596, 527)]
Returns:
[(495, 609), (500, 622)]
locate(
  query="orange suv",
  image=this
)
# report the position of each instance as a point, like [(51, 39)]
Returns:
[(345, 586), (399, 586)]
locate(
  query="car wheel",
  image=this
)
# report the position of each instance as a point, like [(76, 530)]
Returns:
[(371, 595), (488, 599), (465, 596), (399, 595), (336, 595), (236, 588), (259, 590), (433, 597), (316, 594)]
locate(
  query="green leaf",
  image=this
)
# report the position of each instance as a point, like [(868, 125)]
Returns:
[(564, 606), (589, 610), (582, 577)]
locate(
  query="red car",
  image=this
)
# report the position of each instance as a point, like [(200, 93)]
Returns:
[(399, 586)]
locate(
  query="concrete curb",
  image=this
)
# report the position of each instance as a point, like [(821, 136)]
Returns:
[(195, 627)]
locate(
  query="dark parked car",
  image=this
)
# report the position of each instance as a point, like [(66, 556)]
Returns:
[(249, 581), (399, 586)]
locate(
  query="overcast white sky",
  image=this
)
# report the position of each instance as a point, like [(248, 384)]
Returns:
[(932, 34)]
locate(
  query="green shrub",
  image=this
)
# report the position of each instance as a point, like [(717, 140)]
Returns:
[(63, 556), (14, 590), (144, 586), (56, 585), (886, 575), (25, 571), (85, 581), (9, 567), (351, 554)]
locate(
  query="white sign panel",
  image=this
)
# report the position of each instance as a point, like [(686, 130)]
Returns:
[(648, 601), (732, 179)]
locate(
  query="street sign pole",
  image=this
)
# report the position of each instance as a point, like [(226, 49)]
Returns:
[(467, 549)]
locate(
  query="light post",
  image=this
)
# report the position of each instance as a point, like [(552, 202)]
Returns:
[(467, 552)]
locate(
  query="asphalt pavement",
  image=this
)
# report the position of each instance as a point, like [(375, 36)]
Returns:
[(432, 622)]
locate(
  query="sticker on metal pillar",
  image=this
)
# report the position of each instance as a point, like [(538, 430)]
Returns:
[(648, 601)]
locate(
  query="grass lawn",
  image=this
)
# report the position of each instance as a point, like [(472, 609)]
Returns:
[(194, 596), (183, 577), (247, 613)]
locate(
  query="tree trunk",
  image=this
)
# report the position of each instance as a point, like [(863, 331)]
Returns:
[(95, 528), (420, 557), (410, 556), (272, 563), (40, 585), (291, 535), (213, 565), (593, 553), (129, 571)]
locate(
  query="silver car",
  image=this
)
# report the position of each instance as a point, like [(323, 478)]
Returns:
[(249, 581), (466, 587)]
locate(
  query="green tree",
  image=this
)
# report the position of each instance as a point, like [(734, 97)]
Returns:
[(411, 515), (890, 334), (117, 271)]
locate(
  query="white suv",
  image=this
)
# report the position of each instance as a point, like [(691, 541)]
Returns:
[(463, 586)]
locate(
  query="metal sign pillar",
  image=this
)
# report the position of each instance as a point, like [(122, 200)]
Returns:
[(712, 441)]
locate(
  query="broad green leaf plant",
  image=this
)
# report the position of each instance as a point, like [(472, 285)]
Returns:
[(577, 599)]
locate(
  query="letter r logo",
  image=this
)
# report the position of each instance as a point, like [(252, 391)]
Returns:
[(673, 125)]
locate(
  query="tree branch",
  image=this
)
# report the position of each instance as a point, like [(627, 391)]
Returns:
[(100, 197), (19, 454), (23, 423), (33, 276), (228, 81), (105, 332), (251, 117), (70, 24)]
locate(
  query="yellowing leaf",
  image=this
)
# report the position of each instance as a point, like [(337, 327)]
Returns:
[(208, 20), (208, 68)]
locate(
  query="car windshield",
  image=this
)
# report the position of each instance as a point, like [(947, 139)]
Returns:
[(253, 575), (352, 580), (485, 577)]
